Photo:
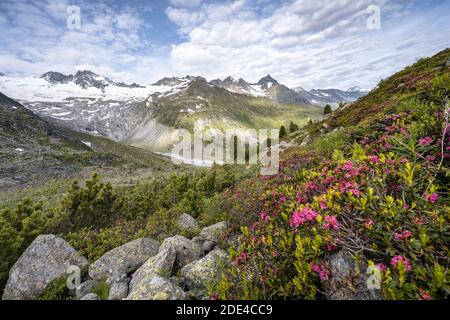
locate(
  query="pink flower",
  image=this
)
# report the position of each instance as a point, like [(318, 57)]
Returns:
[(374, 159), (402, 235), (244, 255), (264, 216), (282, 199), (331, 223), (425, 141), (381, 266), (320, 270), (305, 214), (426, 296), (348, 166), (430, 158), (433, 197), (397, 260), (369, 223)]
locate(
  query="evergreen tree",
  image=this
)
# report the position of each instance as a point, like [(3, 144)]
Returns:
[(282, 132), (327, 109), (293, 127)]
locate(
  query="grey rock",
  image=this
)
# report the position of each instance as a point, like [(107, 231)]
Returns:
[(186, 250), (206, 271), (118, 291), (208, 246), (187, 223), (46, 259), (214, 232), (114, 265), (91, 296), (347, 280), (306, 141), (157, 288), (161, 265), (85, 288)]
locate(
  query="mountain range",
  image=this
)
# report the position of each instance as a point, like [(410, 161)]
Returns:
[(146, 116)]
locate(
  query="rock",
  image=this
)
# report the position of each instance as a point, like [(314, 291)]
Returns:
[(186, 250), (208, 246), (161, 265), (447, 64), (91, 296), (344, 282), (46, 259), (118, 291), (114, 265), (157, 288), (214, 232), (187, 223), (306, 140), (85, 288), (205, 271)]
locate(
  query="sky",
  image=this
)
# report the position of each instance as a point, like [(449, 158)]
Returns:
[(307, 43)]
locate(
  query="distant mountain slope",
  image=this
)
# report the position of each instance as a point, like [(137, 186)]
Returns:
[(271, 88), (33, 149), (213, 107)]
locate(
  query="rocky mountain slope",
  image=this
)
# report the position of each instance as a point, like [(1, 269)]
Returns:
[(271, 88), (147, 116), (34, 149)]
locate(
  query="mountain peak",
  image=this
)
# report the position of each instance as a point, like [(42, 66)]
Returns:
[(56, 77), (266, 82), (354, 89)]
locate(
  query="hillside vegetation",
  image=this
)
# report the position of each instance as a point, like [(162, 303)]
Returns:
[(377, 188)]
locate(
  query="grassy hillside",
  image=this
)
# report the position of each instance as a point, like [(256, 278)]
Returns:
[(378, 188), (33, 150), (222, 109)]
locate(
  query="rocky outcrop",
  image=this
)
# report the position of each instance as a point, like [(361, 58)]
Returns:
[(91, 296), (118, 291), (199, 274), (214, 232), (157, 288), (114, 265), (186, 250), (344, 282), (187, 223), (150, 281), (161, 264), (46, 259), (85, 288)]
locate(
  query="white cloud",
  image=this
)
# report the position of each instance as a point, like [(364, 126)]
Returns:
[(313, 43)]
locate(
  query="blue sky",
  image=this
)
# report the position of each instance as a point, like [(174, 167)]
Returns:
[(309, 43)]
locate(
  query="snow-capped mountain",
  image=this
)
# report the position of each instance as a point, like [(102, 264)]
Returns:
[(86, 101), (271, 88), (335, 96), (85, 79)]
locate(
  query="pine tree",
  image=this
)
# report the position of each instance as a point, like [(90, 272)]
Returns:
[(282, 132), (293, 127), (327, 109)]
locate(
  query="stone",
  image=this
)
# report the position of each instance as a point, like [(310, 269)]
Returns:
[(186, 250), (201, 273), (161, 264), (345, 282), (118, 291), (214, 232), (46, 259), (91, 296), (306, 141), (115, 265), (157, 288), (85, 288), (187, 223)]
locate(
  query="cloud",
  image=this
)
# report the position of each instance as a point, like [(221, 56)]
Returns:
[(313, 43)]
